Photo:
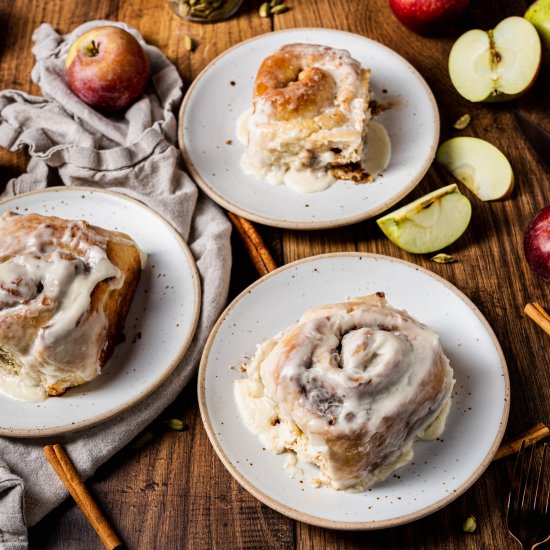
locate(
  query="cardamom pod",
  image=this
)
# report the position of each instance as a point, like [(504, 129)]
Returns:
[(469, 525), (176, 424), (264, 9), (142, 440), (281, 8), (462, 122), (206, 9), (188, 43), (443, 259), (274, 3)]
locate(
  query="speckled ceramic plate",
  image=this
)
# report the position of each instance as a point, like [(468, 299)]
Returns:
[(158, 329), (223, 91), (441, 470)]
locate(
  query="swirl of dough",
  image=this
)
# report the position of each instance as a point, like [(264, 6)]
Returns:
[(300, 80), (62, 300), (360, 379)]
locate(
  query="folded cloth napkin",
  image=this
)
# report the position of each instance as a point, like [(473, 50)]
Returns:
[(133, 153)]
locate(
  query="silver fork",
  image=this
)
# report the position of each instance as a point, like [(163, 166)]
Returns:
[(527, 513)]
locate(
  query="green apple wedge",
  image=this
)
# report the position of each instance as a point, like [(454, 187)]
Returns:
[(479, 165), (496, 65), (429, 223)]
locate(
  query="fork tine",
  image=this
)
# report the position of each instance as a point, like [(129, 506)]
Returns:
[(527, 498), (541, 502), (527, 514), (514, 497), (539, 489)]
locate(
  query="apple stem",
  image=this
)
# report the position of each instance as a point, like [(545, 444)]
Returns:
[(94, 48)]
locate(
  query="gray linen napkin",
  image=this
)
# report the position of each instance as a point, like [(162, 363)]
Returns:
[(132, 153)]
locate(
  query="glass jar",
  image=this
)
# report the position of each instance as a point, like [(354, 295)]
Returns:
[(204, 11)]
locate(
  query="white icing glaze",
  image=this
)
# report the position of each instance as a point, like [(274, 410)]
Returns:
[(39, 273), (299, 151), (344, 370), (375, 159), (242, 126), (377, 150)]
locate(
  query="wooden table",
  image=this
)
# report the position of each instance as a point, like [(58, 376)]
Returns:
[(174, 492)]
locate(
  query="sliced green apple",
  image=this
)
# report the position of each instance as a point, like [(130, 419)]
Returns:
[(496, 65), (480, 166), (430, 222)]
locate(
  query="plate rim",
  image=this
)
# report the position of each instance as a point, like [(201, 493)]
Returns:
[(83, 424), (307, 225), (350, 525)]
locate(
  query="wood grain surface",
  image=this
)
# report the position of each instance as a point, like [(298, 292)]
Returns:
[(174, 492)]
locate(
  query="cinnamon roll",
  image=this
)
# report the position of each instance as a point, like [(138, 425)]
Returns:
[(310, 116), (349, 387), (65, 290)]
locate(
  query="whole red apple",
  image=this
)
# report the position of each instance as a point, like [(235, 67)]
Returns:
[(537, 244), (107, 68), (427, 16)]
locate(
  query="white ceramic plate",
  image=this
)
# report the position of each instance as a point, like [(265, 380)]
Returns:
[(158, 329), (441, 470), (223, 91)]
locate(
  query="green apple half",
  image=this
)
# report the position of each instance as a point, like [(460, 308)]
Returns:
[(430, 222), (496, 65), (479, 165)]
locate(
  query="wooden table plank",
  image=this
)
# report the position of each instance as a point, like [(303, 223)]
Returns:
[(490, 268), (174, 492)]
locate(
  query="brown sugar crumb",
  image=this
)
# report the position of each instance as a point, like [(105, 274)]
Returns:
[(353, 172), (376, 107)]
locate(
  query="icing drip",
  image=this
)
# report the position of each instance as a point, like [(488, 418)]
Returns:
[(350, 387), (52, 274)]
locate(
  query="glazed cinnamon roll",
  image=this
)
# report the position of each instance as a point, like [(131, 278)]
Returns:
[(65, 291), (310, 115), (349, 388)]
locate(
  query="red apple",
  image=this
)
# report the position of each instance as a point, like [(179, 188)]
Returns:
[(107, 68), (537, 244), (427, 16)]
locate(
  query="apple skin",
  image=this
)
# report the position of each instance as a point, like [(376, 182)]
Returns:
[(107, 68), (429, 223), (539, 15), (427, 16), (536, 244)]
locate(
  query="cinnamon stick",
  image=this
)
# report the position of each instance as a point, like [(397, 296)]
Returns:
[(539, 315), (257, 250), (534, 434), (61, 463)]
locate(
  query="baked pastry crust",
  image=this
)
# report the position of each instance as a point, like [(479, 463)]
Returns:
[(310, 112), (349, 387), (65, 291)]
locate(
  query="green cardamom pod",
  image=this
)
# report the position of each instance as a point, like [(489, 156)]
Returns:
[(142, 440), (176, 424), (443, 259), (469, 525), (462, 122), (281, 8), (188, 43)]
